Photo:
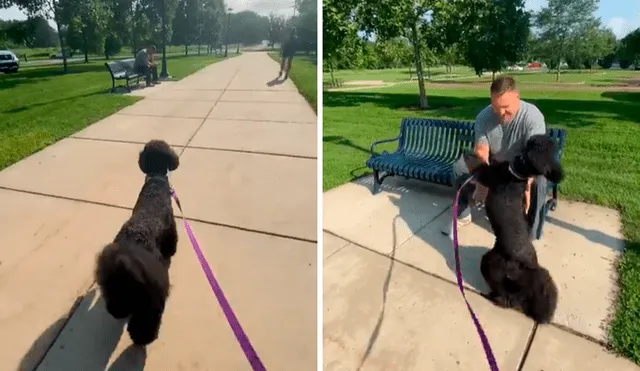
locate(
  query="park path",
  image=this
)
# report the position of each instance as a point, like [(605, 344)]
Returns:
[(391, 301), (247, 178)]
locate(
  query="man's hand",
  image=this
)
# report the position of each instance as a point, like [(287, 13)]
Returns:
[(482, 151)]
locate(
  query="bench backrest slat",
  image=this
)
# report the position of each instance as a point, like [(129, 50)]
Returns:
[(444, 139), (119, 66), (447, 139)]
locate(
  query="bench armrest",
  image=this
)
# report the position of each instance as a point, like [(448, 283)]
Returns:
[(374, 144)]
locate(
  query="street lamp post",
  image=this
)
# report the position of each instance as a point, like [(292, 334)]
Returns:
[(164, 74), (226, 48)]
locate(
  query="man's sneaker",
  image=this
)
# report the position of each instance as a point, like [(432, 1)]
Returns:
[(463, 221)]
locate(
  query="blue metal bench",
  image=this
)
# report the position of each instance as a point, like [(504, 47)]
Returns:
[(428, 148), (122, 69)]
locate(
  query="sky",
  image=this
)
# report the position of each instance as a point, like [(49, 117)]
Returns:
[(622, 18), (263, 7)]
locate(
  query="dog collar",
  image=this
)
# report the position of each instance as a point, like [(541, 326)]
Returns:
[(515, 174)]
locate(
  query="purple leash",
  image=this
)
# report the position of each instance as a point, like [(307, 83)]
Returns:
[(242, 338), (483, 337)]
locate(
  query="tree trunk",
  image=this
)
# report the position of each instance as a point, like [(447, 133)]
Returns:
[(186, 49), (416, 51), (84, 42), (493, 76), (333, 79), (61, 39), (558, 72)]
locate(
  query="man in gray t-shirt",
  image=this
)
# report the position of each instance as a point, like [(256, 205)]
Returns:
[(145, 64), (501, 131)]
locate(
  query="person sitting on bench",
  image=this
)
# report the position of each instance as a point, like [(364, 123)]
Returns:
[(146, 66)]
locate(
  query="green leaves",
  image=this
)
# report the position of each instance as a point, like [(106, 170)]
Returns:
[(569, 30)]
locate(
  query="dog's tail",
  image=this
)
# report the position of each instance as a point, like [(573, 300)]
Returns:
[(543, 299), (158, 157)]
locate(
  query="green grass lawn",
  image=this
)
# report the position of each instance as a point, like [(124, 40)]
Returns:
[(36, 54), (304, 73), (462, 74), (39, 105), (602, 158)]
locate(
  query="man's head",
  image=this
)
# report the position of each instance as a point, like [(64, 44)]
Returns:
[(151, 49), (505, 99)]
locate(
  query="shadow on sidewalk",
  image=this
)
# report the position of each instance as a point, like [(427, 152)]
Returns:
[(615, 244), (470, 256), (385, 289), (86, 342), (275, 82)]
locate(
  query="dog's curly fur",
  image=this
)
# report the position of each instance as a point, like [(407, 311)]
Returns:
[(133, 271), (511, 268)]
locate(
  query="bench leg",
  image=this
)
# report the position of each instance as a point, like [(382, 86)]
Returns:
[(554, 200), (113, 85), (128, 87), (377, 182)]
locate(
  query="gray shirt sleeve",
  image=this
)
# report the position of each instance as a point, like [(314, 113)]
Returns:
[(535, 124), (480, 137)]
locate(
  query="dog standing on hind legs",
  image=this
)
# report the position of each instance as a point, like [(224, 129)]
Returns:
[(133, 271), (511, 268)]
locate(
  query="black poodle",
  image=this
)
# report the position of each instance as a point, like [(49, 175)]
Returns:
[(133, 271), (511, 268)]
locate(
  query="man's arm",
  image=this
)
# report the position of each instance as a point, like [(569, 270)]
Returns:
[(481, 142), (535, 126)]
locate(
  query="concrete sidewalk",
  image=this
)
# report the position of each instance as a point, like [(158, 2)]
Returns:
[(247, 174), (391, 302)]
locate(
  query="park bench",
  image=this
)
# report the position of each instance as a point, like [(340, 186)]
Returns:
[(427, 149), (122, 70)]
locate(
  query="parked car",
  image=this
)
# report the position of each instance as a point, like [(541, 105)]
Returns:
[(9, 63), (58, 54)]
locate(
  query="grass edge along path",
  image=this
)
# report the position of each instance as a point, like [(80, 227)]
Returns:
[(305, 81), (39, 106), (623, 331)]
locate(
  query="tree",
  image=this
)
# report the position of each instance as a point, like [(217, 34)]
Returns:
[(41, 34), (141, 29), (48, 9), (339, 31), (307, 24), (248, 27), (276, 29), (588, 44), (119, 26), (389, 19), (560, 22), (629, 49), (86, 22), (16, 32), (185, 23), (499, 37), (212, 16)]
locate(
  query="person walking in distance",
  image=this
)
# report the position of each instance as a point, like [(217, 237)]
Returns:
[(145, 64), (287, 52)]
